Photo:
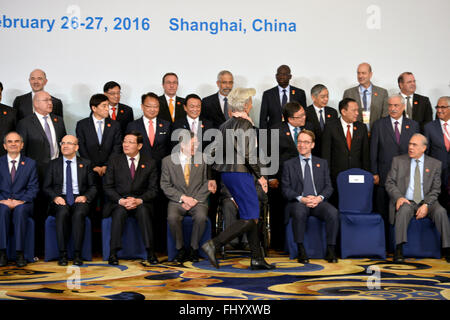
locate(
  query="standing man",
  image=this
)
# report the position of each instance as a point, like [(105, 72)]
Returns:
[(117, 111), (319, 114), (185, 184), (18, 188), (130, 183), (215, 107), (171, 106), (69, 184), (306, 185), (7, 120), (274, 99), (24, 104), (418, 107), (413, 184), (389, 138), (438, 136), (371, 99)]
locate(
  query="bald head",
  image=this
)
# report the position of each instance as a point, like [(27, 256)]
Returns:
[(364, 74), (42, 102), (38, 80), (69, 146)]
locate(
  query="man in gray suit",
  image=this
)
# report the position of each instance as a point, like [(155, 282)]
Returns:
[(413, 185), (372, 100), (185, 183)]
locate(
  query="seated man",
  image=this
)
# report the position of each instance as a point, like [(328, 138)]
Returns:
[(131, 185), (69, 184), (413, 185), (306, 188), (18, 187), (187, 194)]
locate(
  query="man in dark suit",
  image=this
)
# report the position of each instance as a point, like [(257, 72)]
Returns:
[(117, 111), (345, 142), (7, 120), (215, 106), (389, 138), (371, 99), (69, 184), (131, 184), (294, 122), (413, 185), (170, 105), (418, 107), (18, 188), (156, 131), (306, 185), (274, 99), (24, 104), (41, 132), (319, 114), (438, 135), (185, 183)]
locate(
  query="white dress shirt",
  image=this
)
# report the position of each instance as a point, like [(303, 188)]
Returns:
[(345, 128), (280, 92), (10, 163), (400, 121), (147, 123), (136, 161), (73, 169)]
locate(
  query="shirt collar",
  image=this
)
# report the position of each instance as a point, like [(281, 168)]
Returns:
[(400, 120), (17, 159), (302, 157), (136, 158), (280, 89), (369, 89), (345, 123), (74, 159)]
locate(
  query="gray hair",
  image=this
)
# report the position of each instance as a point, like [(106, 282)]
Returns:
[(4, 138), (447, 98), (222, 73), (239, 97), (317, 89), (398, 95), (424, 139)]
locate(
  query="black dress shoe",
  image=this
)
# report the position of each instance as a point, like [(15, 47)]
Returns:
[(20, 260), (331, 255), (210, 249), (151, 257), (195, 256), (181, 256), (447, 254), (398, 254), (260, 264), (77, 259), (113, 260), (3, 258), (302, 256)]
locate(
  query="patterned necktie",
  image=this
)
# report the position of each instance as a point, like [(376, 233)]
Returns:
[(308, 187), (171, 109), (69, 187), (113, 116), (296, 131), (417, 196), (321, 121), (194, 127), (187, 172), (397, 132), (365, 100), (99, 131), (349, 138), (408, 107), (13, 170), (225, 108), (446, 140), (284, 98), (151, 132), (132, 168), (48, 133)]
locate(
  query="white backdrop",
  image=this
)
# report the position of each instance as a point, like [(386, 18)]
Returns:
[(330, 39)]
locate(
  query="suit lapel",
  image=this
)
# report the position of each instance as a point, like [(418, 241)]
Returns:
[(440, 134), (5, 168), (276, 96), (404, 135), (387, 124), (91, 128), (106, 130), (316, 171), (287, 133), (80, 175), (35, 121)]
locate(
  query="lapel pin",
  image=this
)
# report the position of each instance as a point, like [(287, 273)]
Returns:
[(143, 166), (427, 170), (407, 127), (354, 128), (55, 119), (108, 125), (329, 115), (160, 125), (178, 103), (288, 133), (202, 126), (293, 91), (4, 112), (81, 165), (121, 111), (196, 165), (22, 163), (375, 94), (318, 165)]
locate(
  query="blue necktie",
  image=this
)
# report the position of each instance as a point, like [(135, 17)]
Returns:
[(225, 108), (365, 100), (296, 130), (308, 187), (99, 132), (69, 188), (321, 121), (284, 98)]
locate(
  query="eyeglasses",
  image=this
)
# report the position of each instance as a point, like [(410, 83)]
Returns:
[(68, 143), (115, 93), (304, 142), (45, 100), (299, 117), (129, 142), (441, 107)]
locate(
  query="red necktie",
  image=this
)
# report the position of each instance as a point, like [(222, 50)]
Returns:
[(447, 142), (151, 132), (349, 138), (113, 116)]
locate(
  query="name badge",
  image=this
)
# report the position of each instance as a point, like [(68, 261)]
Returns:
[(355, 178), (366, 116)]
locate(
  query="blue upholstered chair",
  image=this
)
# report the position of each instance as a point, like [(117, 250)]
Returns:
[(51, 243), (29, 243), (315, 241), (424, 240), (187, 231), (362, 231), (133, 245)]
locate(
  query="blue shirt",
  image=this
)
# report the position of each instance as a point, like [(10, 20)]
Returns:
[(368, 96), (73, 167), (410, 191)]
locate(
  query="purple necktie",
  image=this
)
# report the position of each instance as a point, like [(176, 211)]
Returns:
[(132, 168), (49, 136), (397, 133), (13, 170)]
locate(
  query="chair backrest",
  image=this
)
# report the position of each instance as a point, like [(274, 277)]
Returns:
[(355, 189)]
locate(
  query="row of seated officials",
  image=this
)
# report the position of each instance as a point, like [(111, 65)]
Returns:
[(41, 138)]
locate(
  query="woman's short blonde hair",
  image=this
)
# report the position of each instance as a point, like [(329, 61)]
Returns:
[(238, 97)]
